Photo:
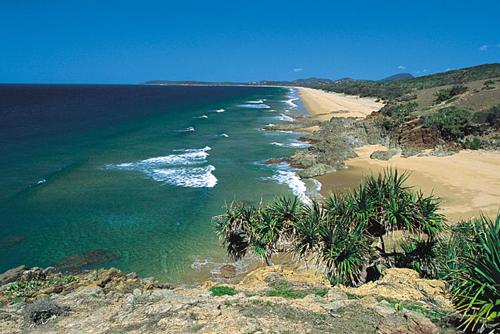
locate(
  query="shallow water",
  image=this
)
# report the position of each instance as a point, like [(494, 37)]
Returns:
[(130, 176)]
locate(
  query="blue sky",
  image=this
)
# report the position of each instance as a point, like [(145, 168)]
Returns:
[(108, 41)]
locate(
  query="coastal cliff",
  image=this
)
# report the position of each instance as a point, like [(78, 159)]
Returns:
[(267, 300)]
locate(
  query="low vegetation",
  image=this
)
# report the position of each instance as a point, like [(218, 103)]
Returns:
[(221, 290), (452, 123), (21, 289), (348, 235), (446, 94), (283, 288)]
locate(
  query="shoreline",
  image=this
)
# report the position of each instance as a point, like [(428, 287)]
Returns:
[(468, 182)]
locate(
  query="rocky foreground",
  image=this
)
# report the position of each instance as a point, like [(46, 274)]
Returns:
[(268, 300)]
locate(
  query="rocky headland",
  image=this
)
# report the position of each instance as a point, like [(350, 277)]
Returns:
[(268, 300)]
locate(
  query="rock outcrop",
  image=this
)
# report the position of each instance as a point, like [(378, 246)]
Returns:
[(268, 300)]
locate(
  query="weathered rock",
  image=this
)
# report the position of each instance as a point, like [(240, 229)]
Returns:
[(34, 273), (408, 323), (405, 284), (107, 276), (12, 275), (383, 155), (185, 310), (228, 271), (316, 170)]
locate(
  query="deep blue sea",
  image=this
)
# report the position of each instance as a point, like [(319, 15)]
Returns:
[(130, 176)]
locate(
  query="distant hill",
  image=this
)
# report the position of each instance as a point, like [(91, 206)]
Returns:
[(393, 87), (397, 77)]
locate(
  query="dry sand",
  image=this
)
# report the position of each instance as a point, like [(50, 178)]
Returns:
[(468, 182), (325, 105)]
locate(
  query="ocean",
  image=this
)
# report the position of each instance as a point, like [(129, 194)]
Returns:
[(130, 176)]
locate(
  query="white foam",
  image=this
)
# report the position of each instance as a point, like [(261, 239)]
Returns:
[(188, 129), (191, 177), (175, 169), (292, 144), (291, 103), (42, 181), (254, 106), (202, 117), (285, 175), (256, 101), (225, 135), (285, 118)]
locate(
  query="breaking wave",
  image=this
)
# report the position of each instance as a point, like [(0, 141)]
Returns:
[(175, 169)]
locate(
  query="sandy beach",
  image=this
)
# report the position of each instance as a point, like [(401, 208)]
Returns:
[(468, 182), (325, 105)]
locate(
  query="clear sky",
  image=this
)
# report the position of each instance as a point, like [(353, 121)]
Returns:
[(120, 41)]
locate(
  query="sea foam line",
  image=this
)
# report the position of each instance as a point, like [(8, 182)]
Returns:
[(175, 169)]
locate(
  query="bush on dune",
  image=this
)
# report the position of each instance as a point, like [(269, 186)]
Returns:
[(452, 123)]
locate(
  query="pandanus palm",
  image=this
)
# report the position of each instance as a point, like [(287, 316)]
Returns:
[(477, 291), (344, 251), (233, 227), (307, 229), (286, 211)]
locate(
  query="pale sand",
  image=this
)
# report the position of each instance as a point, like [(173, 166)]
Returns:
[(468, 182), (325, 105)]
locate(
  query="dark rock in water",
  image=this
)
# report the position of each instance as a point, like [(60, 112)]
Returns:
[(80, 262), (383, 155), (9, 241), (228, 271), (12, 275)]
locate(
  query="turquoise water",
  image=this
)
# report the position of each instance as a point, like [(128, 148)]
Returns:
[(130, 176)]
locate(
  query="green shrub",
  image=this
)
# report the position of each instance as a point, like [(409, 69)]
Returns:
[(19, 290), (221, 290), (488, 84), (453, 123), (446, 94), (397, 113), (345, 233), (476, 284), (283, 289), (473, 143)]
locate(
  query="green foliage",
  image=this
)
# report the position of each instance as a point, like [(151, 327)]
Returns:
[(476, 285), (453, 123), (19, 290), (340, 232), (398, 89), (491, 116), (488, 84), (434, 314), (446, 94), (397, 113), (283, 289), (244, 228), (473, 143), (221, 290)]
